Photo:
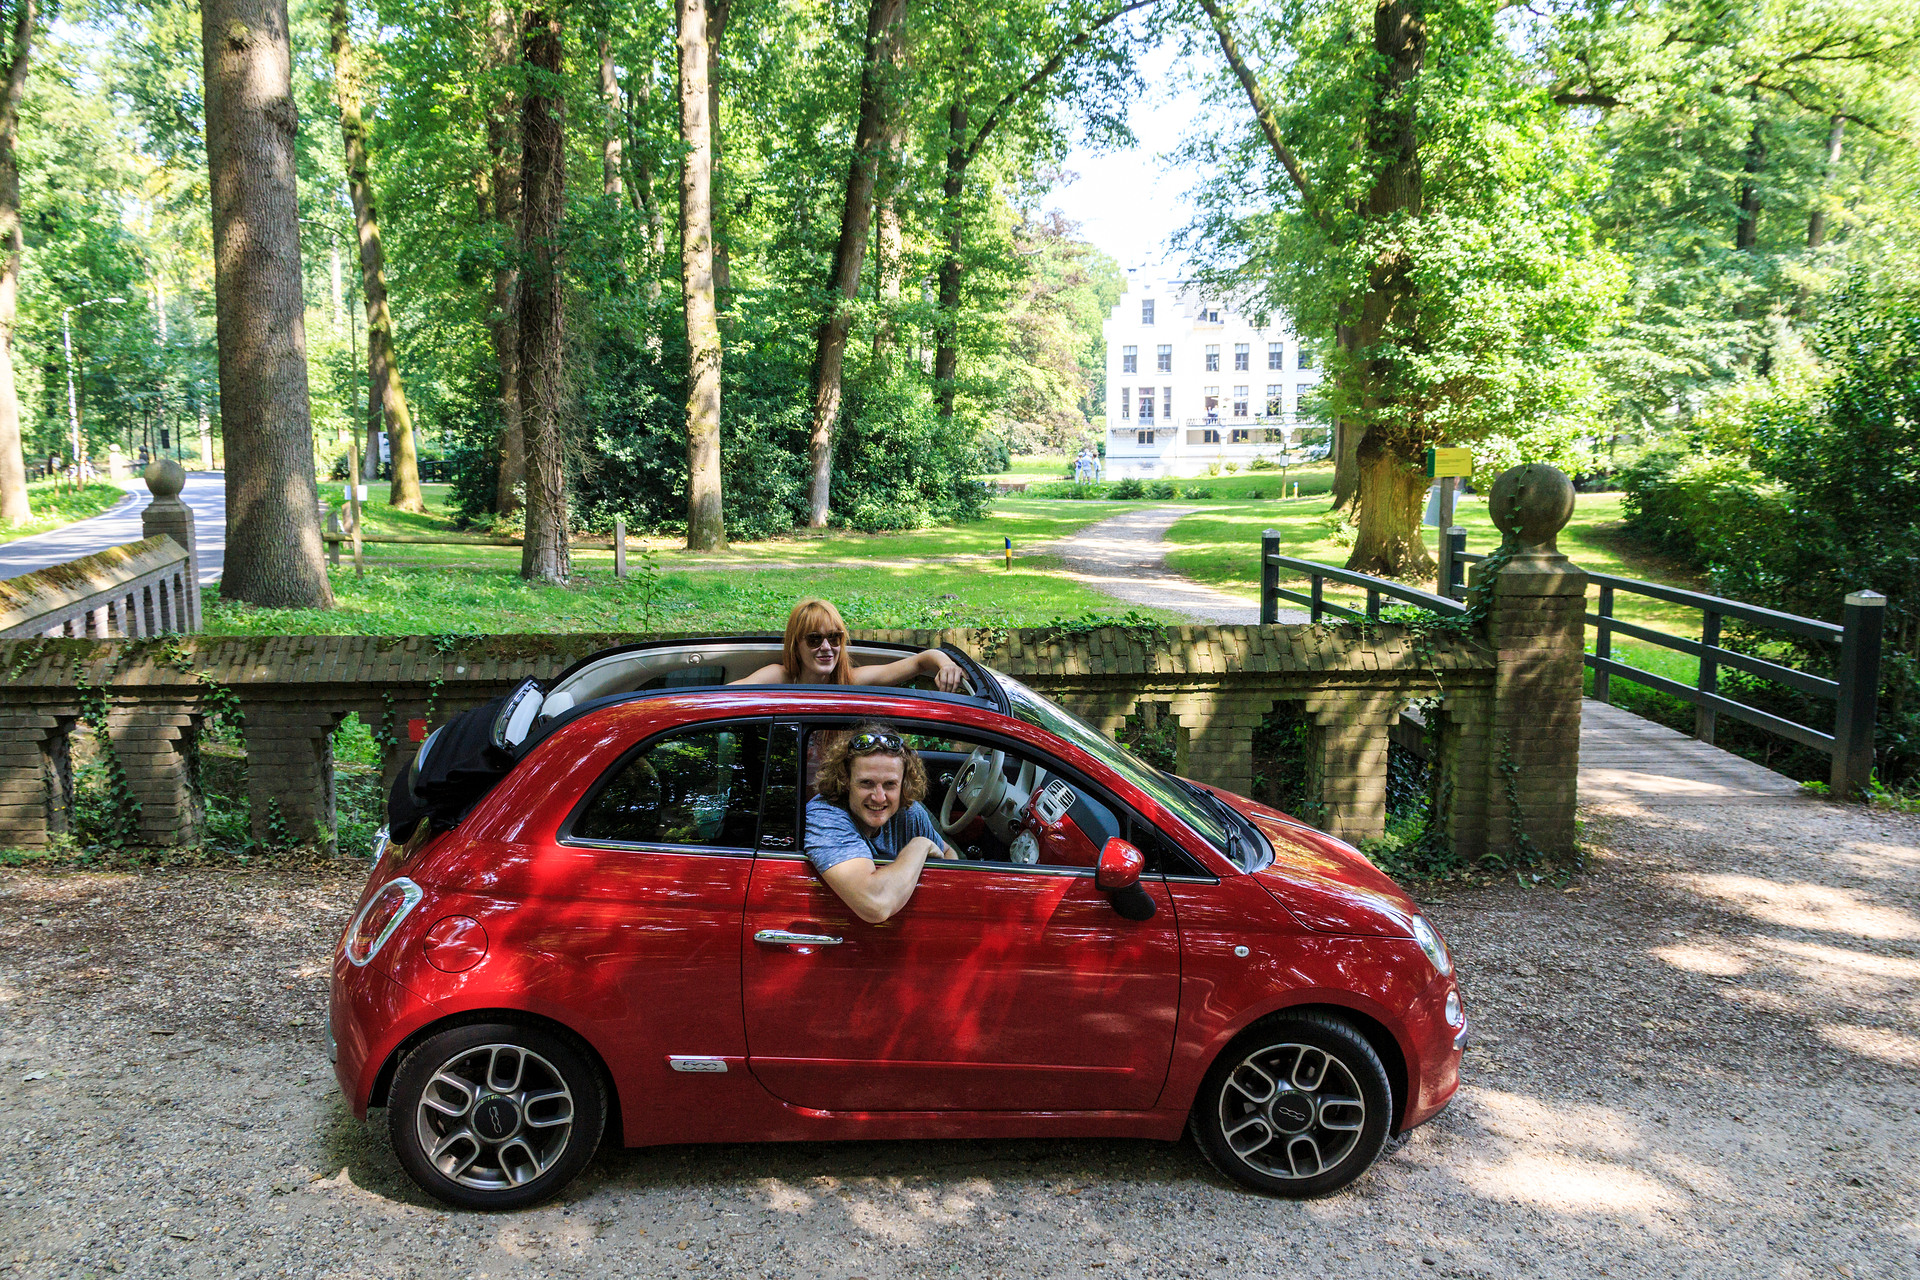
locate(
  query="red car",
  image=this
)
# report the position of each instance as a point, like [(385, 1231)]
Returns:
[(606, 921)]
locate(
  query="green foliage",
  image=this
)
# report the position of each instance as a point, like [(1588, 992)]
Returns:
[(1159, 490), (1127, 488)]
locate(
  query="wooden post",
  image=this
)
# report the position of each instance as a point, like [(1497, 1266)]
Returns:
[(1455, 576), (333, 529), (1446, 537), (619, 546), (1269, 578), (1864, 617), (1709, 682), (1603, 643), (1319, 605)]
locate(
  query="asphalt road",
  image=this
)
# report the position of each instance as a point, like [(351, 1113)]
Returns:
[(206, 493)]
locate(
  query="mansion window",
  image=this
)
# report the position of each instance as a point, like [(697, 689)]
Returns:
[(1129, 359), (1300, 394), (1166, 403), (1240, 356), (1145, 438), (1146, 311), (1146, 404), (1239, 402), (1209, 436), (1241, 435), (1213, 357), (1306, 357), (1276, 400), (1126, 402), (1163, 358), (1213, 401), (1210, 316), (1276, 355)]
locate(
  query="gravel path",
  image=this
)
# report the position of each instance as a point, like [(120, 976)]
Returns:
[(1700, 1061), (1126, 558)]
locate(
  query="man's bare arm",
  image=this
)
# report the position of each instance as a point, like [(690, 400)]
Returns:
[(877, 893)]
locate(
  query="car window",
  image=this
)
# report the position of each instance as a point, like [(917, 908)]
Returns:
[(780, 814), (698, 787)]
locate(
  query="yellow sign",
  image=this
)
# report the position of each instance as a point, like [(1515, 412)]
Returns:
[(1449, 462)]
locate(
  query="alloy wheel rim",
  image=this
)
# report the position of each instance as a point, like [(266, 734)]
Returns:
[(494, 1117), (1292, 1111)]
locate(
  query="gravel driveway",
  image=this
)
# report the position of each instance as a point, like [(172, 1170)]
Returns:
[(1701, 1061)]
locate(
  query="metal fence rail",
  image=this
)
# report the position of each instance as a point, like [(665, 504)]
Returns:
[(1273, 565), (1855, 691)]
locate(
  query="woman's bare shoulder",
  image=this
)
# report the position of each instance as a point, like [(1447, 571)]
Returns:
[(772, 673)]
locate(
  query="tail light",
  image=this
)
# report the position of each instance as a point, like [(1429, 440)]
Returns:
[(379, 918)]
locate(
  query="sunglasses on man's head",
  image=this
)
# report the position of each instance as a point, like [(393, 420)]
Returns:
[(817, 638), (862, 743)]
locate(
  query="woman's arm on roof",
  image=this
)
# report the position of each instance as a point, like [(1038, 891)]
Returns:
[(930, 662)]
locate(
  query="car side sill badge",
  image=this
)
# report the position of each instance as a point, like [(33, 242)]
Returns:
[(686, 1062)]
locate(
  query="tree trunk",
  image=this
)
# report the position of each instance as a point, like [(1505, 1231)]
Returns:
[(946, 329), (1346, 438), (1746, 228), (1393, 496), (274, 553), (849, 257), (14, 508), (544, 556), (1389, 538), (383, 372), (1817, 220), (718, 11), (889, 242), (706, 527), (503, 316), (610, 162)]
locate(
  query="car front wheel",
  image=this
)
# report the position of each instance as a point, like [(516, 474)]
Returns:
[(1297, 1106), (495, 1116)]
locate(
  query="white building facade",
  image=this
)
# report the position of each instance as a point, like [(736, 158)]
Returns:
[(1193, 385)]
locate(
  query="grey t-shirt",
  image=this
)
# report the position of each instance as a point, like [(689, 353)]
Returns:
[(832, 837)]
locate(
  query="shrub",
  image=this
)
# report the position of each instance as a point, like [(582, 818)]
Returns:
[(1127, 488), (1213, 468), (1263, 463), (1162, 490), (1232, 467), (1195, 491), (1255, 494)]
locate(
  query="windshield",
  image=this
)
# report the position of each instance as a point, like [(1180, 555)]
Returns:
[(1172, 794)]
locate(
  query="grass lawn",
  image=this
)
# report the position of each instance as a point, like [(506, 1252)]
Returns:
[(54, 506), (886, 582)]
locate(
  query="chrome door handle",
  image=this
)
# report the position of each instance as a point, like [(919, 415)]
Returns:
[(782, 937)]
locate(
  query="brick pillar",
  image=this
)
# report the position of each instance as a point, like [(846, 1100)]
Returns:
[(290, 771), (1536, 627), (36, 780), (1219, 726), (1347, 759), (156, 746), (167, 514), (1461, 765)]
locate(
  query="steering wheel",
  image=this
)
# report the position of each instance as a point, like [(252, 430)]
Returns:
[(976, 789)]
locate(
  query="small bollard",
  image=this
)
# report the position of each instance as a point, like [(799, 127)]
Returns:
[(619, 546), (1009, 555)]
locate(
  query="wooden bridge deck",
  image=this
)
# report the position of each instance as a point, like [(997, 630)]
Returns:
[(1628, 761)]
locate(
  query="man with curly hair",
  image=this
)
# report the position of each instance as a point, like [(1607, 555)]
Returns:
[(868, 808)]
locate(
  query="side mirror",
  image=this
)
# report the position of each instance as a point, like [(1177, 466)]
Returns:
[(1118, 876), (1120, 866)]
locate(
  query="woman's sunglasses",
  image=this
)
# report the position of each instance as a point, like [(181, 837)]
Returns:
[(817, 638), (863, 743)]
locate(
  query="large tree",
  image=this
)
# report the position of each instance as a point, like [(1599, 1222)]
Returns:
[(13, 470), (879, 71), (706, 529), (1427, 214), (274, 552), (545, 555), (386, 397), (500, 203)]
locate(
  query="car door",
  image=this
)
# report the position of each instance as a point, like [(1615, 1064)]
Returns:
[(997, 988), (664, 842)]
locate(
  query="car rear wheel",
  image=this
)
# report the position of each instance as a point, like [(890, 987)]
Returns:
[(1298, 1106), (495, 1116)]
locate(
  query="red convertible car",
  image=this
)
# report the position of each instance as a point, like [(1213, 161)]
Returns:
[(601, 918)]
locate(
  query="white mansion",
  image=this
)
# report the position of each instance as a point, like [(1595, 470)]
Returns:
[(1191, 383)]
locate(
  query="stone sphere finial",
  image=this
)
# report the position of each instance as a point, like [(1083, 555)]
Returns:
[(1530, 504), (165, 478)]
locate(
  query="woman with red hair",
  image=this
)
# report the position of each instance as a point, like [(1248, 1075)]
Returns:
[(815, 652)]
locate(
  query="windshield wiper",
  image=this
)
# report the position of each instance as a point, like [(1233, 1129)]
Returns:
[(1230, 821)]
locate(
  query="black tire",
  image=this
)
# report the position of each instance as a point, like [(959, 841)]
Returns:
[(1297, 1106), (521, 1144)]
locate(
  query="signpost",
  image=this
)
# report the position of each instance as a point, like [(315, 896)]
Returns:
[(1444, 465)]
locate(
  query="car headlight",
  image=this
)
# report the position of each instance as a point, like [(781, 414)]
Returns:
[(1429, 940)]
